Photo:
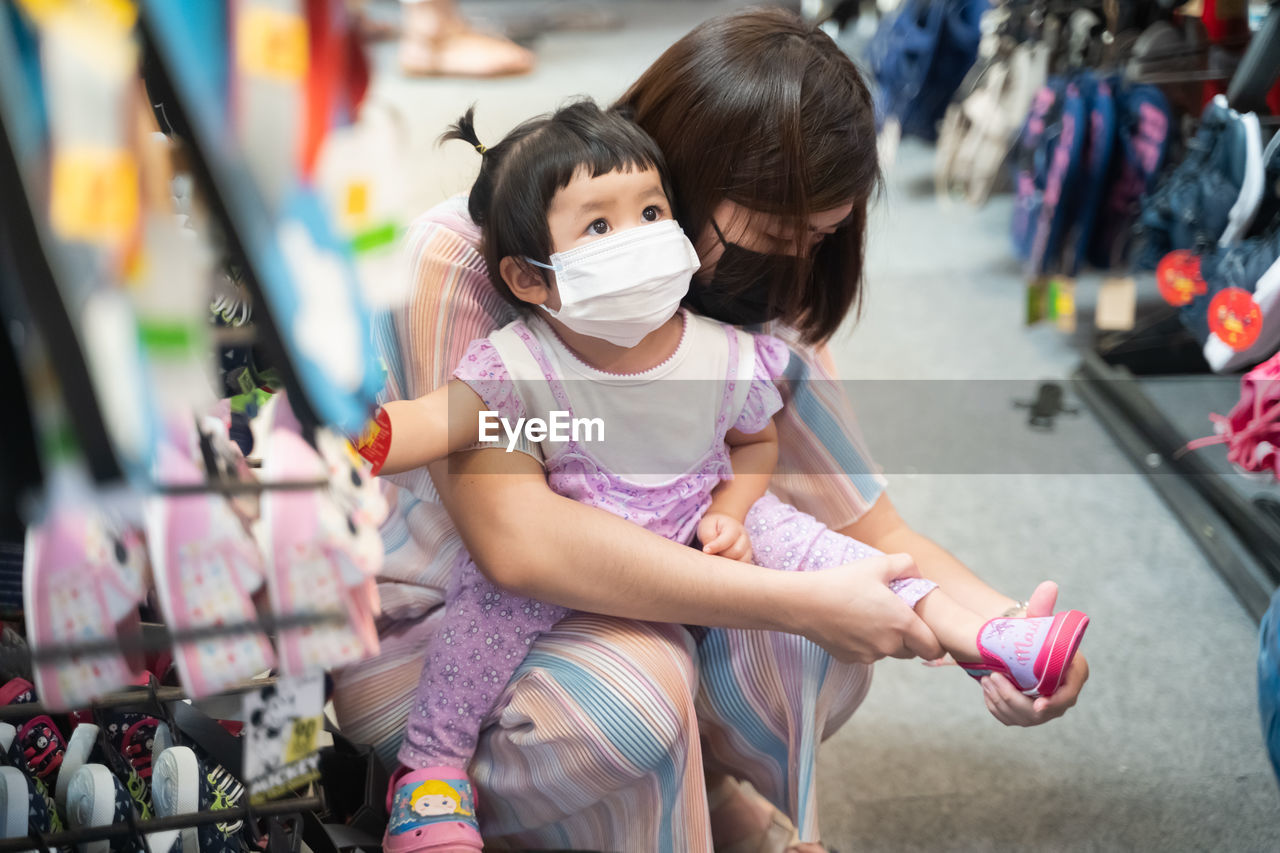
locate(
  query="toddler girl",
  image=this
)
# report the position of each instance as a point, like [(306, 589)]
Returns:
[(665, 419)]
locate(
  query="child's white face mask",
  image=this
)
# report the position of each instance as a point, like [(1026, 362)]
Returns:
[(623, 286)]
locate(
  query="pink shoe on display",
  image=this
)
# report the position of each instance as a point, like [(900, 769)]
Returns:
[(1251, 430), (312, 568), (430, 809), (79, 586), (206, 567), (1034, 653)]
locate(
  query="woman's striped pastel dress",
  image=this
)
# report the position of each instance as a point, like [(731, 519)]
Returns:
[(598, 741)]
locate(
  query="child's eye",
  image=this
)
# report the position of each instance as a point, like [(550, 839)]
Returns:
[(652, 213), (598, 227)]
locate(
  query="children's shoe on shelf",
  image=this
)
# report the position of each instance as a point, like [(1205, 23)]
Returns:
[(1033, 652), (96, 797), (78, 586), (1251, 430), (90, 745), (11, 755), (17, 691), (314, 567), (182, 784), (430, 809), (206, 567), (22, 808), (1214, 194), (43, 747)]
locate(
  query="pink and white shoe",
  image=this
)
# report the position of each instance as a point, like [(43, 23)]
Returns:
[(1034, 653), (206, 567), (311, 569), (77, 587), (430, 809)]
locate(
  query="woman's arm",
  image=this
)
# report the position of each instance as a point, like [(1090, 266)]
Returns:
[(882, 528), (537, 543)]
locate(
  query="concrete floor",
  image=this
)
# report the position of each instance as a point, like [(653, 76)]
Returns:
[(1164, 751)]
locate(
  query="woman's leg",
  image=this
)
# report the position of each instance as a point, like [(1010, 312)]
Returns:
[(768, 699), (595, 745)]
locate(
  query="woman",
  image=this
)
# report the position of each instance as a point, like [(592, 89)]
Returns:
[(618, 725)]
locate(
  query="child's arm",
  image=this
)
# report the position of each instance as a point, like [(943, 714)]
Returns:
[(413, 433), (753, 457)]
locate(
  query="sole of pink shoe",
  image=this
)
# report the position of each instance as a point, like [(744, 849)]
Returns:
[(1059, 648)]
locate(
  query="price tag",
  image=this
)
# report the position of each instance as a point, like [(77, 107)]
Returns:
[(1178, 277), (1060, 303), (94, 194), (1117, 304), (282, 726), (1037, 302), (1235, 318), (272, 43)]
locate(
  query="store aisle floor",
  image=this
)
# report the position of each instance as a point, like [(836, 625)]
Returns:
[(1164, 750)]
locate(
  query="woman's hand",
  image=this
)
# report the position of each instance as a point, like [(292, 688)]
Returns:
[(724, 535), (856, 617), (1008, 704)]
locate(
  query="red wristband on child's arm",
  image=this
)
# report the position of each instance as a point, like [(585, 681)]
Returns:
[(375, 441)]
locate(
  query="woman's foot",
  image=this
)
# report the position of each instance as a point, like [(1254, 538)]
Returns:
[(742, 821), (437, 42)]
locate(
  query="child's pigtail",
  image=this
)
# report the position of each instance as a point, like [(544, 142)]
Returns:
[(482, 190)]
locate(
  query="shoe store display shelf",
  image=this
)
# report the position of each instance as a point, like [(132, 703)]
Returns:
[(141, 829), (1234, 517)]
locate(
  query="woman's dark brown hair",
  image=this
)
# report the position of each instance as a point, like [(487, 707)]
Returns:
[(763, 109)]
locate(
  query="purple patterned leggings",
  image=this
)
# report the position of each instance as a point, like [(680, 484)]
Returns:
[(487, 631)]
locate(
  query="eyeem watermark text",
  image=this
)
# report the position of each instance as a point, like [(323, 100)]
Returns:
[(560, 427)]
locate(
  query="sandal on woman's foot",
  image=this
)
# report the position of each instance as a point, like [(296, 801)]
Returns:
[(778, 836), (1034, 653), (450, 48)]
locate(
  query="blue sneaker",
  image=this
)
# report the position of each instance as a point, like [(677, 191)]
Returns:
[(22, 807), (1212, 197), (95, 797)]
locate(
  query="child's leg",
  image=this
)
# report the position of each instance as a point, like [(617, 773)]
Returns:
[(482, 639), (1035, 653), (485, 635)]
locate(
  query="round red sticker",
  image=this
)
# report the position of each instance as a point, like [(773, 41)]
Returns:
[(1178, 277), (1235, 318)]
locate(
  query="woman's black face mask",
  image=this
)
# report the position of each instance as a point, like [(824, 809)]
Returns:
[(739, 290)]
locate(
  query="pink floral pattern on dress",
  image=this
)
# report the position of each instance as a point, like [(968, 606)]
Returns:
[(482, 370)]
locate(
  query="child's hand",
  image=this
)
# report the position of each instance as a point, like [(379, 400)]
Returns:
[(724, 535)]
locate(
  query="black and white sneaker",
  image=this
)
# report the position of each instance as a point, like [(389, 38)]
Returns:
[(182, 783), (95, 797), (22, 807), (13, 756)]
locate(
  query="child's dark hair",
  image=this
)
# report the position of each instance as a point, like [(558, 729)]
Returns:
[(520, 175)]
